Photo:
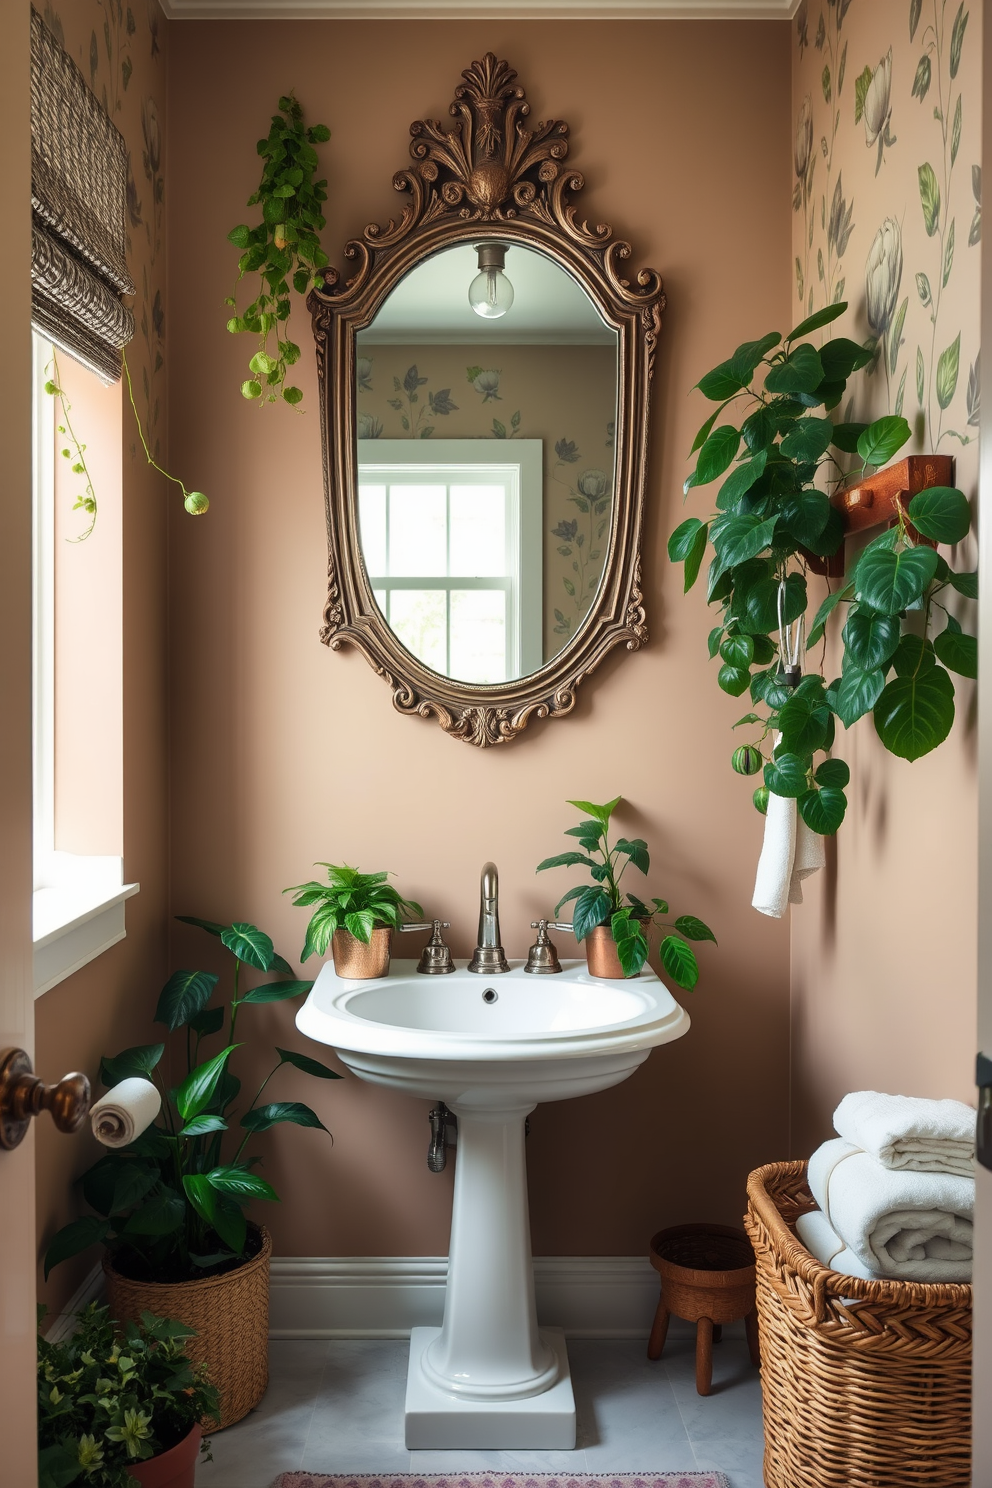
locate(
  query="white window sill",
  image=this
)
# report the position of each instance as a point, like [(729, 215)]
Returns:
[(77, 916)]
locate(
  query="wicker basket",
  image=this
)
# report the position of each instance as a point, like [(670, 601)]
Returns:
[(231, 1316), (865, 1384)]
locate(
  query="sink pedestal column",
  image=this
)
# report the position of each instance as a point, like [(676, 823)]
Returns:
[(489, 1378)]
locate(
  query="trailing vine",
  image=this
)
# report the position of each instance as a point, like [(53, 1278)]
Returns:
[(283, 247), (74, 450), (770, 520)]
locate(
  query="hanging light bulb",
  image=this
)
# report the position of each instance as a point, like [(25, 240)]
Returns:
[(490, 294)]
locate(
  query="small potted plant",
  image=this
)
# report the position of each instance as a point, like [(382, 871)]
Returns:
[(170, 1205), (355, 914), (119, 1406), (615, 932)]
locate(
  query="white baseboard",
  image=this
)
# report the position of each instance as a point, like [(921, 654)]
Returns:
[(386, 1296), (89, 1290)]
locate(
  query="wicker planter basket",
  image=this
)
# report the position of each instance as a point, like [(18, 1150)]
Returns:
[(865, 1384), (231, 1316)]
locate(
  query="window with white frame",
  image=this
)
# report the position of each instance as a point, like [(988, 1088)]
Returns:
[(451, 533), (79, 891)]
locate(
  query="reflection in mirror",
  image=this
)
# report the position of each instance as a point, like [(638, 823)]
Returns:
[(486, 461)]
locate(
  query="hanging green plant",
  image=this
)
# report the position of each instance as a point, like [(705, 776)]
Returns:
[(770, 519), (284, 247)]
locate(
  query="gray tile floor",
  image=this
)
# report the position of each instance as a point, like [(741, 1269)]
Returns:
[(338, 1407)]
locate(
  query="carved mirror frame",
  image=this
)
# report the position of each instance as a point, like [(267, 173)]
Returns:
[(490, 175)]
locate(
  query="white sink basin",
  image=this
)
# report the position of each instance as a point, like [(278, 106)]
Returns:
[(491, 1047)]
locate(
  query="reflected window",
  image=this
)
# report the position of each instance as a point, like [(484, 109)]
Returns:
[(451, 539)]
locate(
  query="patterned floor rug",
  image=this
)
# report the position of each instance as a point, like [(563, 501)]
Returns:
[(504, 1480)]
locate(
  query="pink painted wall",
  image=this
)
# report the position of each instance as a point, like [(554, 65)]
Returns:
[(284, 753)]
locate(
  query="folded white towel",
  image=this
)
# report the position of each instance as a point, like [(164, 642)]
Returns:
[(910, 1226), (906, 1132), (820, 1240), (125, 1112), (790, 852)]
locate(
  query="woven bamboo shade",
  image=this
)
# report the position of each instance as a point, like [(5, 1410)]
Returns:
[(78, 196)]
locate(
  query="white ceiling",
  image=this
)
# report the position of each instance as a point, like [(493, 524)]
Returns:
[(430, 306), (533, 10)]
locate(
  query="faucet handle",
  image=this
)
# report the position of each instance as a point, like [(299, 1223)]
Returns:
[(424, 925), (542, 956), (435, 958), (555, 925)]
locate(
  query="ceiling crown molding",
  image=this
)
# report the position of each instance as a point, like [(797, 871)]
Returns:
[(530, 10)]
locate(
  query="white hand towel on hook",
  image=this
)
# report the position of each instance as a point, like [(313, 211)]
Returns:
[(790, 852)]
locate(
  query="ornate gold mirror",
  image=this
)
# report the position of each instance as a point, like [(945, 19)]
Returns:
[(484, 374)]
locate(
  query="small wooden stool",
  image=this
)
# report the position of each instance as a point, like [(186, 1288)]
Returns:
[(707, 1278)]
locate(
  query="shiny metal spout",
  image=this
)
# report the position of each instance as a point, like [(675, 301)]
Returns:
[(489, 957)]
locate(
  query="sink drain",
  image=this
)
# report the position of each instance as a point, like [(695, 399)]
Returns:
[(490, 994)]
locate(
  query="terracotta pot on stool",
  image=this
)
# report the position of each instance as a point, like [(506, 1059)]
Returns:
[(707, 1278)]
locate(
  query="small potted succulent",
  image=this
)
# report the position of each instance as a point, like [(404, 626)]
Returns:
[(615, 932), (169, 1206), (355, 914), (119, 1406)]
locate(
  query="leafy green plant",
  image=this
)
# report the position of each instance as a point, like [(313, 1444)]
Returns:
[(604, 901), (171, 1205), (283, 248), (770, 519), (109, 1397), (352, 901)]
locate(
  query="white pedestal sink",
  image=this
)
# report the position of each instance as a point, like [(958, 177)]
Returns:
[(489, 1378)]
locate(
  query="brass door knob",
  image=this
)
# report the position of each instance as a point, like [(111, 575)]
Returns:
[(23, 1095)]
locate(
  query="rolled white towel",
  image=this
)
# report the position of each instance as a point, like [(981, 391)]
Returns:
[(125, 1112), (821, 1241), (905, 1225), (790, 852), (908, 1133)]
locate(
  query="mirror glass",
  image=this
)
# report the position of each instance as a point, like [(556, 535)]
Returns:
[(485, 443)]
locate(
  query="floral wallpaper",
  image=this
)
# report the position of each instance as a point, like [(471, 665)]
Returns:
[(119, 48), (565, 396), (887, 202)]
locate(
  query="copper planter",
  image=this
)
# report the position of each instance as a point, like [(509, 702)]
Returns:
[(356, 962), (602, 956)]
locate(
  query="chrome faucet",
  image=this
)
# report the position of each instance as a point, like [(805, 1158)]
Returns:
[(489, 957)]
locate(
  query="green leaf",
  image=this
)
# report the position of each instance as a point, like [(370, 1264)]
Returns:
[(74, 1238), (957, 38), (786, 775), (915, 714), (197, 1090), (804, 723), (855, 693), (733, 680), (824, 612), (846, 437), (240, 1183), (211, 926), (870, 639), (249, 944), (211, 1020), (913, 655), (631, 943), (833, 772), (592, 908), (741, 479), (738, 650), (806, 515), (636, 850), (929, 198), (58, 1464), (823, 810), (948, 250), (808, 439), (262, 1117), (682, 539), (185, 994), (814, 322), (739, 538), (307, 1065), (694, 559), (958, 652), (761, 609), (218, 1211), (941, 513), (566, 860), (964, 583), (132, 1181), (750, 353), (162, 1215), (948, 364), (601, 813), (800, 372), (694, 929), (139, 1061), (680, 962), (716, 454), (882, 439), (920, 371), (888, 581), (276, 991), (721, 384), (915, 9), (201, 1125), (713, 640)]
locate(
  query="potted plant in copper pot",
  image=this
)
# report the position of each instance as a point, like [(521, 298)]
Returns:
[(355, 914), (120, 1406), (616, 932), (169, 1204)]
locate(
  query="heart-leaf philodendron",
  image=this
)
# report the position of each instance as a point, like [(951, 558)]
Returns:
[(170, 1206), (770, 519), (629, 917)]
